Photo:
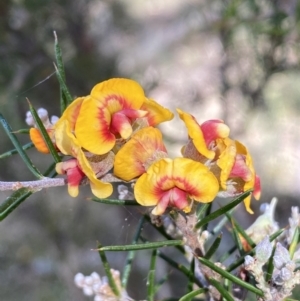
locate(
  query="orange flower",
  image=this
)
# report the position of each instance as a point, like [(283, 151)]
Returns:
[(38, 140), (110, 112), (79, 167), (229, 160), (144, 148), (175, 183)]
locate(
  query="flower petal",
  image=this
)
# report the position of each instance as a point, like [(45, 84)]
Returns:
[(92, 128), (156, 113), (196, 134), (150, 187), (188, 176), (128, 92), (226, 159), (144, 148), (214, 129), (38, 140), (196, 179), (70, 144)]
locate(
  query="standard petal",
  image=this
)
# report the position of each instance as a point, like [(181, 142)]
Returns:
[(127, 92), (196, 179), (92, 128), (156, 113), (151, 186), (71, 113), (144, 148), (196, 134)]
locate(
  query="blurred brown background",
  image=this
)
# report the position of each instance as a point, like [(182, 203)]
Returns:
[(234, 60)]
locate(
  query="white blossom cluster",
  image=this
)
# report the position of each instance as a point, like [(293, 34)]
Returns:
[(98, 287), (43, 114)]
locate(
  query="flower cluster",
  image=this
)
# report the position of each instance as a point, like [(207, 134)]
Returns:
[(114, 128), (98, 287)]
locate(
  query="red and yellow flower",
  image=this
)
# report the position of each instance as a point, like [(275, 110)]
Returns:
[(78, 167), (143, 149), (175, 183), (110, 113), (229, 160)]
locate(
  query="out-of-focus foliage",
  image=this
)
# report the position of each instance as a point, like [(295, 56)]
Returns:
[(235, 60)]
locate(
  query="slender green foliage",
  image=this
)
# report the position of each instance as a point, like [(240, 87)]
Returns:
[(230, 277), (214, 247), (144, 246), (108, 273), (128, 264), (222, 210), (151, 277), (19, 148), (15, 151)]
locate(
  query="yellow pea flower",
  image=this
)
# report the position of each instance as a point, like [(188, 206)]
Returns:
[(228, 159), (175, 183), (78, 167), (110, 111), (144, 148)]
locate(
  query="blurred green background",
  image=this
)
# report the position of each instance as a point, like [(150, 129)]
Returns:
[(233, 60)]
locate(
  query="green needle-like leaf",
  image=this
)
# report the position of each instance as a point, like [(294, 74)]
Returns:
[(108, 273), (44, 133), (191, 278), (230, 277), (63, 87), (151, 277), (15, 151), (228, 254), (294, 243), (224, 293), (61, 69), (12, 202), (22, 131), (19, 148), (116, 202), (149, 245), (270, 267), (127, 267), (242, 232), (214, 247), (191, 295), (222, 210), (160, 283), (237, 239), (180, 267)]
